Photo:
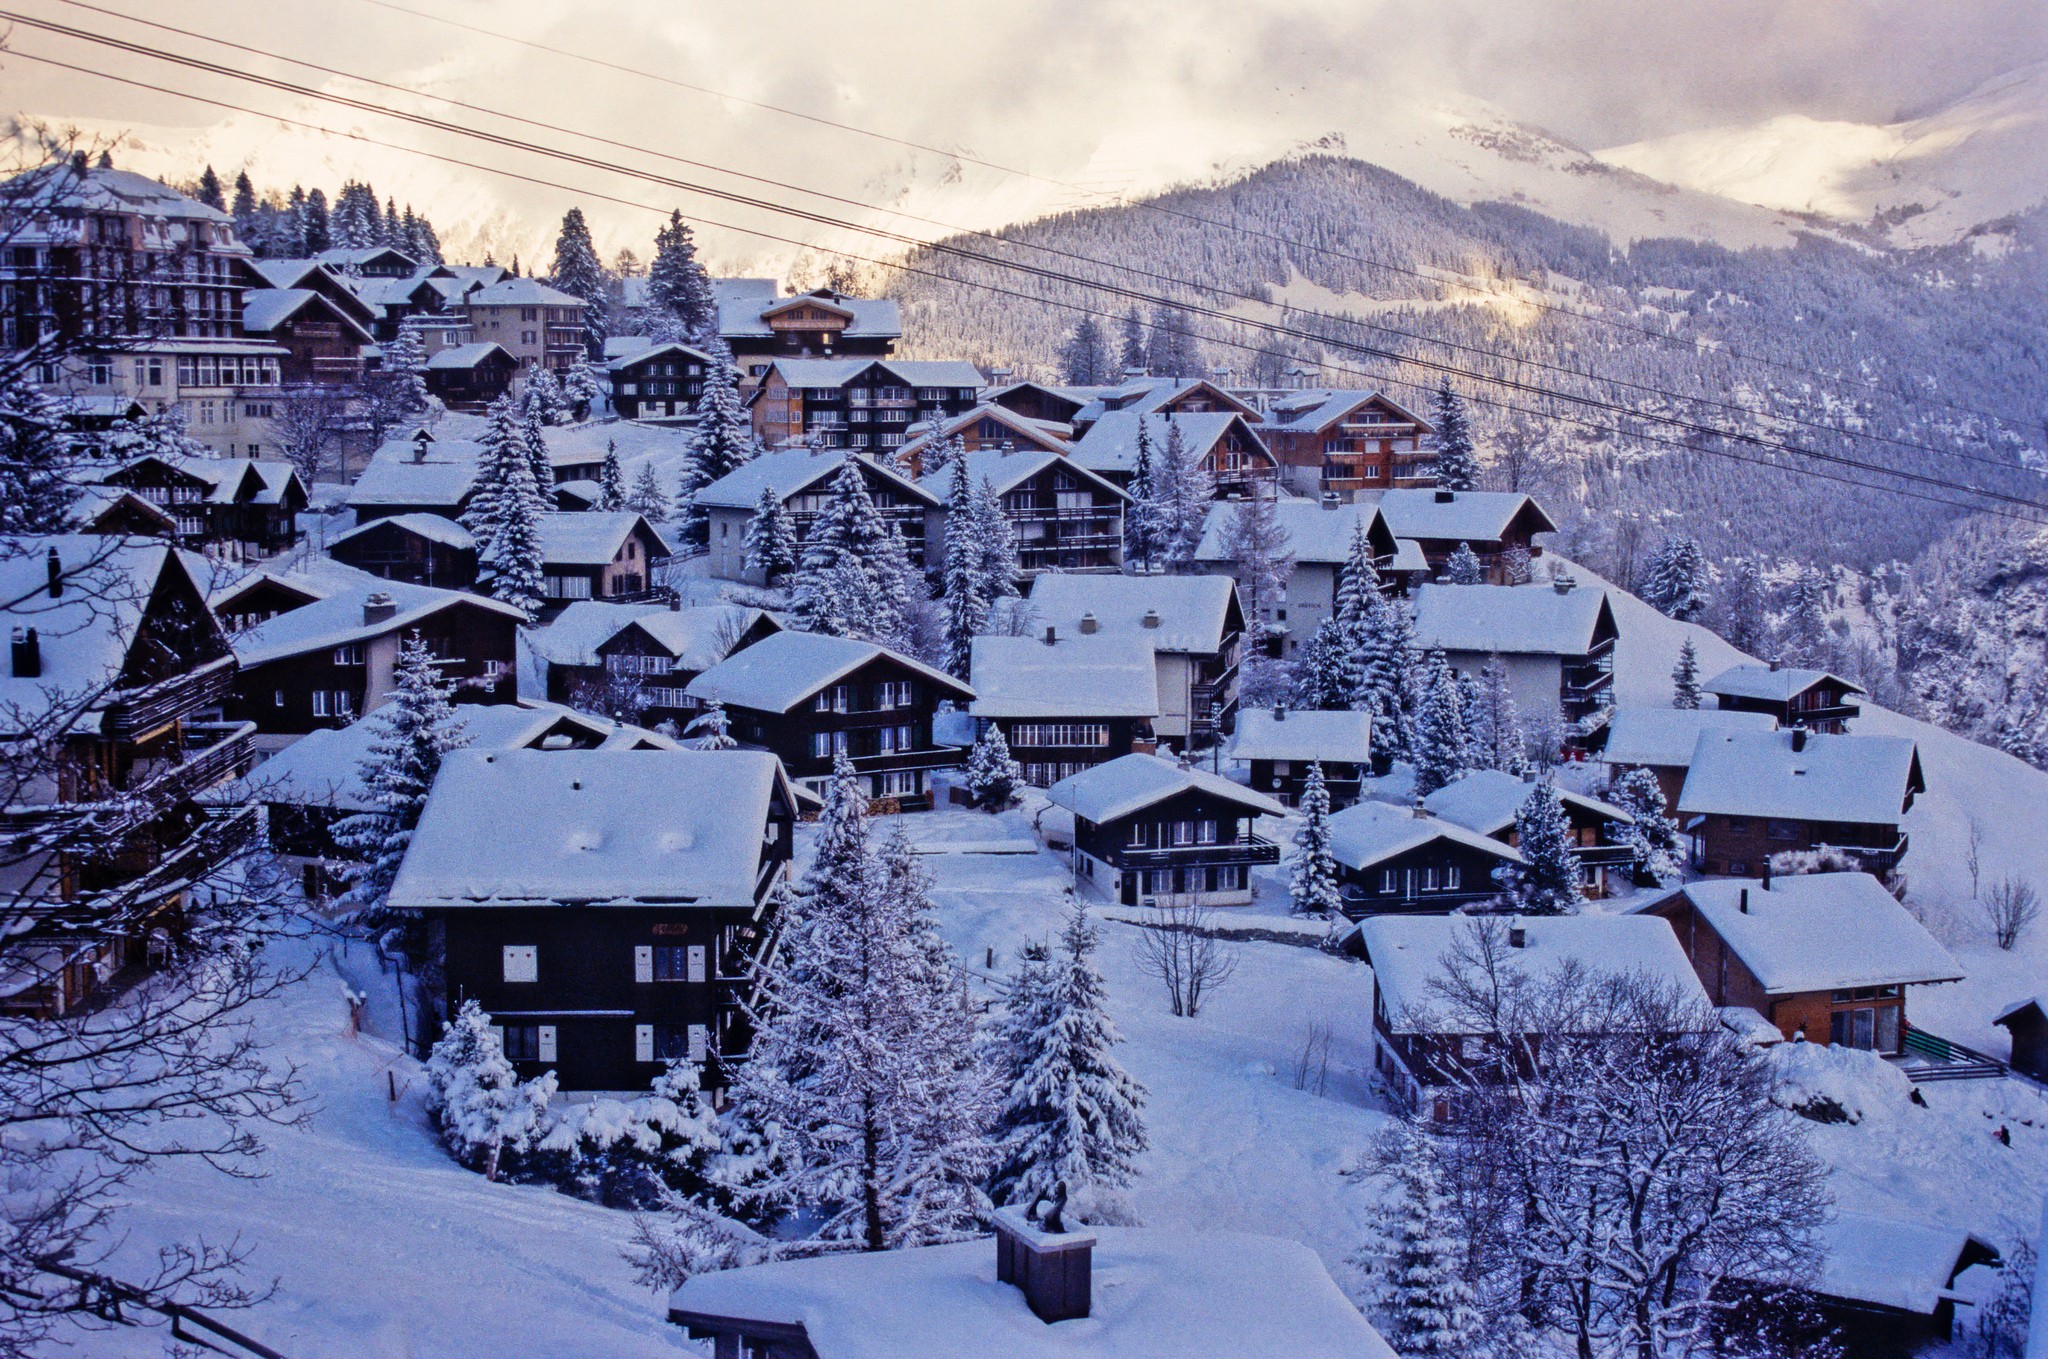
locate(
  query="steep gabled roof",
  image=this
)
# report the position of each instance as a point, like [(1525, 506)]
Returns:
[(630, 358), (1333, 737), (698, 637), (1819, 932), (1313, 411), (790, 471), (1475, 517), (1857, 779), (593, 537), (779, 672), (337, 618), (433, 527), (521, 292), (265, 309), (1193, 611), (1131, 783), (462, 356), (1488, 800), (1006, 471), (1317, 532), (1368, 833), (1033, 433), (579, 630), (1078, 676), (813, 373), (744, 305), (1772, 685), (1111, 443), (1537, 620)]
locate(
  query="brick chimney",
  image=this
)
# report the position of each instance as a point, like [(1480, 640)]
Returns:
[(379, 608), (1051, 1267)]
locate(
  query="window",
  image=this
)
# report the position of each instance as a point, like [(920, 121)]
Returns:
[(837, 699), (901, 783), (522, 962), (1782, 830), (521, 1042), (1452, 876), (1059, 734), (333, 703), (679, 962), (893, 694), (352, 654), (681, 1042), (1390, 881), (825, 744), (568, 587)]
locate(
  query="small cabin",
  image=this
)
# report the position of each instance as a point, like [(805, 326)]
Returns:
[(614, 555), (1395, 860), (1150, 831), (420, 549), (1281, 746), (1814, 700)]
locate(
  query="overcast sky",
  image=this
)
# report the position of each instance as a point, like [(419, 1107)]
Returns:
[(1115, 96)]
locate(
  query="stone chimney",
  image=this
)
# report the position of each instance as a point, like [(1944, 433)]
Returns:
[(1150, 620), (379, 608), (28, 654), (1090, 625), (1053, 1268)]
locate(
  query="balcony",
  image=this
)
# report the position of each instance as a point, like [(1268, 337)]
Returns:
[(1251, 850), (1876, 859), (1604, 856), (144, 710)]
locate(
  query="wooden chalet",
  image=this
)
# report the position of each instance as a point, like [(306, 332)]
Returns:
[(867, 405), (1065, 703), (262, 595), (1752, 795), (1223, 442), (323, 339), (1280, 746), (470, 376), (1041, 404), (106, 839), (1499, 526), (411, 475), (655, 654), (601, 555), (1347, 443), (810, 698), (1062, 516), (609, 924), (1662, 741), (1555, 640), (1194, 625), (1319, 534), (1886, 1287), (1488, 801), (419, 549), (802, 480), (1402, 861), (1812, 699), (369, 261), (662, 381), (1824, 957), (1150, 831), (237, 507), (760, 327), (986, 426), (111, 511)]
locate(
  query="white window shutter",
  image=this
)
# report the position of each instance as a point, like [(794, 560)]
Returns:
[(643, 962), (522, 963), (697, 1042), (643, 1042), (498, 1034), (696, 962), (547, 1042)]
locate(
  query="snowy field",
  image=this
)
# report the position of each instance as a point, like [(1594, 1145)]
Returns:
[(380, 1246)]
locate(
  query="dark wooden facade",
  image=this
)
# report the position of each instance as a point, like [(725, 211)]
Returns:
[(394, 550), (870, 410), (635, 661), (1195, 844), (1051, 749), (1432, 878), (2027, 1022), (1285, 779), (1367, 445), (1825, 706), (1742, 846), (663, 381), (474, 382)]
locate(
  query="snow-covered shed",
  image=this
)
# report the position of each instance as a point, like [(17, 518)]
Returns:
[(1067, 703), (1394, 859), (1662, 740), (1820, 954), (1814, 699), (1888, 1285), (1556, 641), (1152, 1294), (1194, 625), (2026, 1020), (405, 476), (1281, 744), (1752, 795), (1149, 829)]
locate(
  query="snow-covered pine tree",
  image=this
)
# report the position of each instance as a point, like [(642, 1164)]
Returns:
[(405, 371), (1131, 345), (1457, 463), (723, 442), (1320, 680), (771, 539), (476, 1098), (1357, 597), (581, 390), (864, 1056), (1189, 494), (966, 596), (1676, 582), (543, 399), (996, 543), (1745, 621), (1392, 684), (642, 1153), (1654, 836), (1493, 725), (579, 273), (847, 582), (1256, 543), (611, 480), (1548, 881), (1084, 358), (517, 577), (1462, 567), (679, 291), (1685, 677), (504, 444), (1071, 1116), (940, 451), (1424, 1306), (1312, 871), (1142, 529), (1803, 637), (711, 729), (647, 496), (37, 456), (1440, 740), (993, 774)]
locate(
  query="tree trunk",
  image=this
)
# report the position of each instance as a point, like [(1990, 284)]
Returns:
[(870, 1177)]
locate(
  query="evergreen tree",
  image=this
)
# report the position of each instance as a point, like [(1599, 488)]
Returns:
[(1071, 1117), (1493, 726), (1320, 678), (1142, 527), (1357, 599), (1744, 620), (1312, 874), (898, 607), (842, 584), (1084, 358), (771, 541), (579, 273), (647, 496), (582, 392), (966, 589), (1131, 354), (1803, 639), (1440, 739), (1654, 834), (1547, 882), (1685, 677), (1390, 685), (1188, 494), (244, 209), (412, 731), (404, 372), (1676, 582), (1457, 464), (313, 230), (504, 449), (210, 191), (38, 455), (544, 401), (641, 1154), (1463, 568), (611, 480), (679, 292), (864, 1064), (711, 729), (1256, 544), (723, 442), (477, 1100), (517, 577), (995, 543), (1173, 351), (993, 775), (1425, 1307), (939, 452)]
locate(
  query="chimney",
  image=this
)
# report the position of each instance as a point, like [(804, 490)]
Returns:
[(1419, 811), (1051, 635), (1051, 1267), (999, 377), (1330, 500), (1742, 902), (379, 608), (1279, 712), (420, 440), (1774, 663), (1150, 620), (1767, 872), (1133, 374), (1798, 739), (28, 654), (1089, 624), (56, 575), (1445, 495), (1564, 585), (1518, 933)]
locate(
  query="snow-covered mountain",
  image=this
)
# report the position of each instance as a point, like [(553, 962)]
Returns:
[(1930, 178)]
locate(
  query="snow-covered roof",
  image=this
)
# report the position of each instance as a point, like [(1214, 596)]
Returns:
[(1487, 800), (592, 537), (640, 353), (1313, 410), (1131, 783), (1409, 556), (1536, 620), (286, 273), (792, 470), (227, 477), (1668, 736), (1156, 1295), (1367, 833), (521, 292), (100, 188), (743, 302), (1409, 953), (1761, 682), (363, 254), (433, 527), (1890, 1263), (265, 309), (1860, 779), (1316, 531), (1193, 612), (461, 356), (585, 444), (579, 630), (1821, 932), (1475, 517), (2020, 1006), (1302, 734), (446, 477), (1005, 470), (337, 618), (594, 827), (1047, 434), (1111, 443), (779, 672), (701, 636), (1103, 675), (812, 373), (95, 502)]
